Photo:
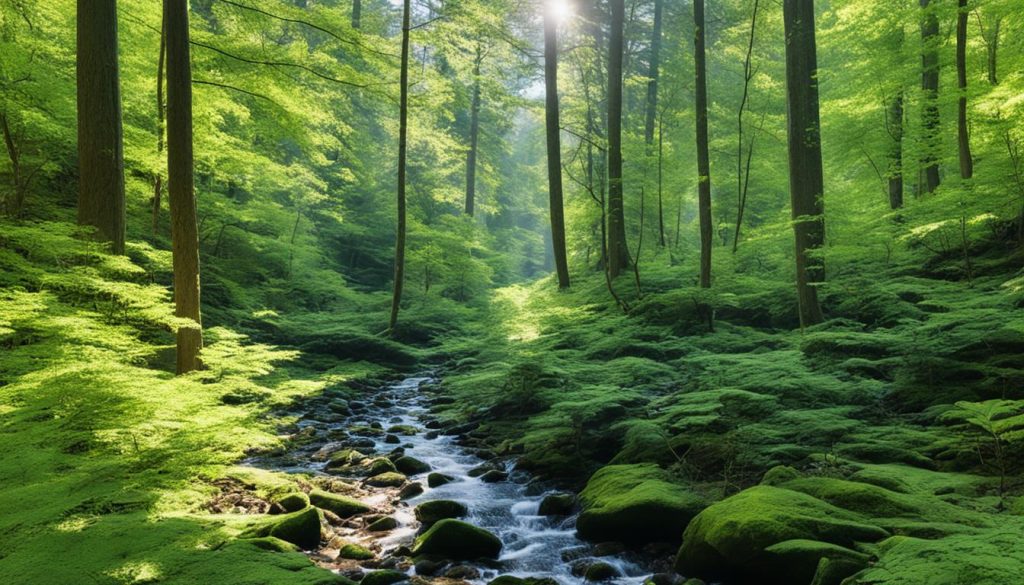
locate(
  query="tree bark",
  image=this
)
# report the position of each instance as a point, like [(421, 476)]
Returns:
[(806, 182), (13, 207), (652, 109), (993, 51), (160, 114), (963, 136), (703, 157), (743, 179), (181, 185), (357, 14), (403, 129), (895, 124), (930, 88), (618, 253), (474, 135), (554, 144), (101, 198)]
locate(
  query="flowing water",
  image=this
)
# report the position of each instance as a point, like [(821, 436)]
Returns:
[(534, 545)]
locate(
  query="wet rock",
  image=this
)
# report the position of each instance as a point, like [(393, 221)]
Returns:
[(383, 525), (300, 528), (600, 571), (272, 544), (377, 425), (291, 503), (407, 430), (411, 466), (339, 406), (384, 577), (392, 439), (664, 579), (494, 476), (439, 479), (462, 572), (481, 469), (460, 429), (442, 400), (429, 513), (355, 552), (343, 506), (411, 491), (608, 549), (381, 465), (456, 540), (429, 567), (344, 457), (510, 580), (434, 424), (557, 505), (389, 479)]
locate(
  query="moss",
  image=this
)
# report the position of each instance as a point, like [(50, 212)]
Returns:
[(389, 479), (438, 479), (293, 502), (635, 504), (381, 465), (343, 506), (384, 577), (272, 544), (382, 524), (994, 557), (429, 513), (797, 561), (455, 540), (355, 552), (300, 528), (557, 505), (411, 466)]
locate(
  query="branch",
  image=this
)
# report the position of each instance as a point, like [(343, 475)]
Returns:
[(278, 64), (233, 88)]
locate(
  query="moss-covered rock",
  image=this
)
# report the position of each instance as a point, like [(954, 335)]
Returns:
[(510, 580), (384, 577), (411, 490), (600, 571), (832, 571), (432, 512), (411, 466), (797, 561), (455, 540), (382, 524), (557, 505), (355, 552), (439, 479), (343, 506), (991, 558), (293, 502), (300, 528), (635, 504), (388, 479), (381, 465), (272, 544)]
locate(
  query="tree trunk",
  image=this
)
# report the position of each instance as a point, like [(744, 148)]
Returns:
[(895, 124), (403, 129), (101, 199), (160, 113), (963, 137), (930, 87), (554, 147), (357, 14), (13, 207), (993, 51), (703, 157), (652, 110), (806, 182), (618, 253), (661, 180), (743, 180), (181, 186), (474, 134)]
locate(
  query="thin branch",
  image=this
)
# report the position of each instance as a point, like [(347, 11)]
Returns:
[(278, 64), (233, 88)]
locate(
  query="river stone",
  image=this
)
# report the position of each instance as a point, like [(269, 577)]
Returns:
[(355, 552), (407, 430), (429, 513), (438, 479), (384, 577), (494, 476), (293, 502), (392, 439), (411, 466), (410, 491), (383, 525), (462, 572), (600, 572), (456, 540), (510, 580), (429, 567), (557, 505), (381, 465), (343, 506), (389, 479), (300, 528), (344, 457)]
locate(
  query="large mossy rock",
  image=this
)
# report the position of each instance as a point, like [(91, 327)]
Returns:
[(635, 504), (458, 541), (993, 557), (432, 512), (767, 535), (300, 528), (343, 506), (384, 577), (411, 466)]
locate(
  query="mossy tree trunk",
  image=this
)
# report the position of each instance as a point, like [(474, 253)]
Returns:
[(618, 252), (403, 130), (554, 145), (703, 156), (101, 198)]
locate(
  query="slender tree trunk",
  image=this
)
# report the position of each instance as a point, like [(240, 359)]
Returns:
[(806, 181), (618, 253), (160, 114), (554, 147), (652, 109), (474, 135), (661, 179), (13, 207), (357, 14), (403, 129), (703, 158), (743, 180), (963, 137), (101, 200), (993, 51), (895, 123), (181, 185), (930, 88)]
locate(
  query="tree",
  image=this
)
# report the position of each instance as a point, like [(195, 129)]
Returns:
[(160, 114), (930, 88), (357, 13), (806, 181), (552, 128), (894, 126), (652, 108), (618, 253), (181, 185), (963, 137), (474, 133), (101, 199), (403, 130), (743, 171), (703, 157)]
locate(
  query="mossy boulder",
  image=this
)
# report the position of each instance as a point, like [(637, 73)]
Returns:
[(456, 540), (992, 557), (388, 479), (381, 465), (439, 479), (430, 513), (355, 552), (293, 502), (343, 506), (797, 560), (557, 505), (410, 490), (384, 577), (731, 539), (382, 524), (601, 571), (272, 544), (635, 504), (299, 528), (411, 466), (510, 580)]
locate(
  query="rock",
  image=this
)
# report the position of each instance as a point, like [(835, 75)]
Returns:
[(411, 466), (510, 580), (832, 571), (272, 544), (438, 479), (462, 572), (779, 474), (389, 479), (339, 406), (355, 552), (343, 458), (407, 430), (293, 502), (608, 549), (432, 512), (557, 505), (300, 528), (664, 579), (429, 567), (600, 572), (452, 539), (493, 476), (383, 525), (384, 577), (381, 465), (481, 469), (392, 439), (635, 504), (411, 490), (343, 506), (736, 538)]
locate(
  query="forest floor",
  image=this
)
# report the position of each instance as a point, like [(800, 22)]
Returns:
[(881, 444)]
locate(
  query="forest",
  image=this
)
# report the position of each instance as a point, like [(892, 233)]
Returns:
[(512, 292)]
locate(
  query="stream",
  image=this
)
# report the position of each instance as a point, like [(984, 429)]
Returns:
[(534, 546)]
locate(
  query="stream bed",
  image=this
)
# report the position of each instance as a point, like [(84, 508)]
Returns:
[(533, 545)]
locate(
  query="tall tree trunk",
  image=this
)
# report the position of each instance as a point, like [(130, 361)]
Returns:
[(963, 138), (357, 14), (930, 88), (554, 146), (101, 200), (993, 51), (181, 185), (474, 134), (806, 182), (13, 207), (661, 179), (403, 129), (743, 179), (158, 186), (652, 109), (618, 253), (703, 157), (895, 125)]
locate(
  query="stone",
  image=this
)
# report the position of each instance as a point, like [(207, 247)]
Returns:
[(383, 525), (343, 506), (411, 466), (410, 490), (384, 577), (389, 479), (293, 502), (438, 479), (557, 505), (429, 513), (456, 540)]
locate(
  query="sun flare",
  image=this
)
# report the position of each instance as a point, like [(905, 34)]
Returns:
[(561, 10)]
